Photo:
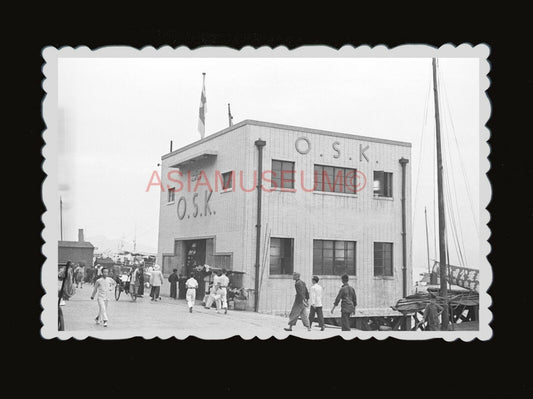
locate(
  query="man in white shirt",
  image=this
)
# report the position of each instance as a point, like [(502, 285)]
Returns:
[(191, 285), (103, 287), (222, 300), (156, 281), (315, 302)]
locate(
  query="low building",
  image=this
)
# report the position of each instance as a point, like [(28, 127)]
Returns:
[(330, 203), (80, 251)]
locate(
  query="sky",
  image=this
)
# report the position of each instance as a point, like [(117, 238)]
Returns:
[(118, 115)]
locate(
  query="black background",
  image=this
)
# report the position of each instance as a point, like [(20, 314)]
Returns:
[(369, 368)]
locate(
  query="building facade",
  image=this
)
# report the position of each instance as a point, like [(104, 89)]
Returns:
[(331, 203), (78, 252)]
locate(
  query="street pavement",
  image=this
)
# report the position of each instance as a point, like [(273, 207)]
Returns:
[(170, 317)]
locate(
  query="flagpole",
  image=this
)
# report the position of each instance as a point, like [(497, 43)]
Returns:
[(203, 91), (202, 110)]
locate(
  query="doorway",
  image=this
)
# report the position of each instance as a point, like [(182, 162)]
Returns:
[(195, 254)]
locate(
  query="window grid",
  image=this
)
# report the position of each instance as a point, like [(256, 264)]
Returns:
[(334, 179), (281, 256), (383, 265), (171, 194), (382, 184), (282, 172), (334, 258)]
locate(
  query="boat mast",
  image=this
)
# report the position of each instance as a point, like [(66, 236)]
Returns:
[(61, 216), (427, 240), (443, 264)]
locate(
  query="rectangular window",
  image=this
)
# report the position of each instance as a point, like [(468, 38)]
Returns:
[(334, 258), (227, 180), (383, 259), (171, 194), (281, 256), (382, 184), (282, 174), (335, 180)]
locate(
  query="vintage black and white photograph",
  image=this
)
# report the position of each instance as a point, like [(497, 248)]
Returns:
[(266, 192)]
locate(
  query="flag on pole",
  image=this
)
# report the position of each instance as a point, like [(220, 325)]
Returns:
[(203, 110)]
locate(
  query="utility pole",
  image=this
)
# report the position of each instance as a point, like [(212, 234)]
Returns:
[(442, 224)]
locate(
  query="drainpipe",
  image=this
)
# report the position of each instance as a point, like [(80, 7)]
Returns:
[(259, 144), (404, 162)]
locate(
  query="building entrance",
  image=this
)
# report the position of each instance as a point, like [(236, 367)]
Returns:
[(195, 254)]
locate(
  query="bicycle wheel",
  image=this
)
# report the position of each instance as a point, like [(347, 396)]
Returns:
[(133, 295), (118, 290)]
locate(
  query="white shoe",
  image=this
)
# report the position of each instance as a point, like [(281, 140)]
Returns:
[(105, 323)]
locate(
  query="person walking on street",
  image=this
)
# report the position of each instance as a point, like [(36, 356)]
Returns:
[(173, 280), (431, 315), (222, 301), (315, 304), (78, 276), (140, 279), (191, 284), (348, 301), (299, 308), (68, 275), (156, 281), (103, 289)]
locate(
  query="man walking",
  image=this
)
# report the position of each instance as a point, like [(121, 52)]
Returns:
[(222, 300), (103, 287), (191, 284), (431, 314), (173, 280), (140, 280), (156, 281), (315, 304), (299, 308), (78, 276), (348, 301)]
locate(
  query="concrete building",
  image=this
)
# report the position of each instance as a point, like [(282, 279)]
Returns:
[(80, 251), (350, 222)]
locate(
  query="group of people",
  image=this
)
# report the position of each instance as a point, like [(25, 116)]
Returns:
[(218, 292), (308, 303)]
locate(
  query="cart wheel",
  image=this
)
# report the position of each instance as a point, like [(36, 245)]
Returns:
[(60, 321), (117, 292)]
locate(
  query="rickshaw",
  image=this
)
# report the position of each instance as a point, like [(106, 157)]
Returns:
[(123, 283)]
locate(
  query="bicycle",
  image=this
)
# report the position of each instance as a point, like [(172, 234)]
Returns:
[(124, 286)]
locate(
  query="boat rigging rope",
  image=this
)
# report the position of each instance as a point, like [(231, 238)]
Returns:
[(421, 143), (465, 180)]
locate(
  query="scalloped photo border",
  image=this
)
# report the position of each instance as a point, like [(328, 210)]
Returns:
[(49, 187)]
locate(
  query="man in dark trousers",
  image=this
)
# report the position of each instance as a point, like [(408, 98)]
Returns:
[(431, 314), (348, 300), (299, 308), (173, 280), (315, 302)]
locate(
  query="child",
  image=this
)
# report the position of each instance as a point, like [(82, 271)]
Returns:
[(191, 285), (103, 287)]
